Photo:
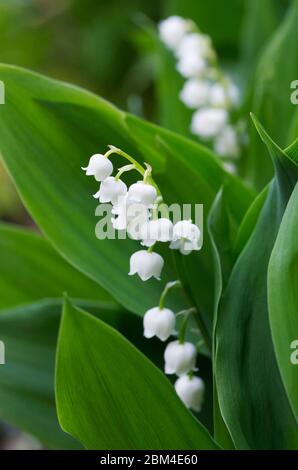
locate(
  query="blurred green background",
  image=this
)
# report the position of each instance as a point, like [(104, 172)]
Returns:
[(110, 47)]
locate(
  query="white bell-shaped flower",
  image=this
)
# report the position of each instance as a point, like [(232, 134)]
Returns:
[(195, 93), (146, 264), (159, 322), (180, 358), (219, 95), (191, 66), (191, 391), (159, 230), (172, 30), (99, 166), (143, 193), (111, 190), (195, 44), (186, 237), (207, 123), (138, 217), (226, 143), (129, 215)]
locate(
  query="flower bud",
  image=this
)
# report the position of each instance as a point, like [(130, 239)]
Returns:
[(195, 44), (208, 122), (180, 358), (191, 66), (146, 264), (226, 143), (219, 96), (99, 166), (129, 215), (195, 93), (143, 193), (159, 322), (191, 391), (111, 190), (172, 30), (160, 230), (186, 237)]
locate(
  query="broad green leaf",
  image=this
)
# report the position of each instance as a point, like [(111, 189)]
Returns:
[(249, 222), (30, 270), (252, 398), (132, 404), (48, 130), (283, 298), (27, 377), (224, 220), (277, 68), (221, 229)]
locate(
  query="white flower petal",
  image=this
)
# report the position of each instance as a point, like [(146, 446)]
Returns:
[(159, 322), (172, 30), (191, 391), (195, 93), (180, 358), (143, 193), (207, 123), (146, 264), (99, 166)]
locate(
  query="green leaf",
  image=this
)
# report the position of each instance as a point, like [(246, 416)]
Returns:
[(251, 395), (249, 222), (277, 68), (221, 229), (224, 220), (283, 298), (131, 406), (30, 270), (27, 379)]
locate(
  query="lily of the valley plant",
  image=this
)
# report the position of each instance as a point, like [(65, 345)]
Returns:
[(135, 209), (154, 338)]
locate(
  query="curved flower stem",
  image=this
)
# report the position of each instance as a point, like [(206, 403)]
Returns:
[(124, 169), (168, 287), (183, 328), (150, 249), (133, 161)]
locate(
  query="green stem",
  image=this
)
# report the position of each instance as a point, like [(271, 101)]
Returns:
[(137, 165), (123, 170), (168, 287), (150, 249), (183, 328)]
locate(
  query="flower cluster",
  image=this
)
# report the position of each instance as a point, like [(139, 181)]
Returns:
[(135, 210), (207, 90), (180, 355)]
